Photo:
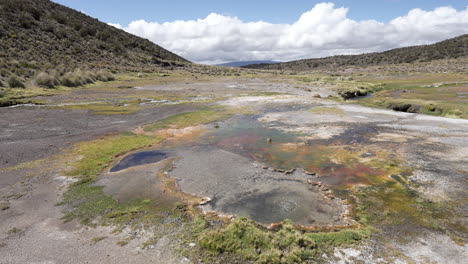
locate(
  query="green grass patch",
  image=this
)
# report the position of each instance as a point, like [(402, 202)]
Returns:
[(182, 120), (200, 117), (326, 110), (97, 154), (15, 96), (87, 201), (431, 94), (252, 242), (105, 108)]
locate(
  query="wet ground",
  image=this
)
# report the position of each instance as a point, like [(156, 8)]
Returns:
[(286, 161)]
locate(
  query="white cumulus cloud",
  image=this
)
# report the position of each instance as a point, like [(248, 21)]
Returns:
[(323, 31), (115, 25)]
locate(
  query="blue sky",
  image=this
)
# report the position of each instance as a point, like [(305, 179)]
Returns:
[(215, 31), (274, 11)]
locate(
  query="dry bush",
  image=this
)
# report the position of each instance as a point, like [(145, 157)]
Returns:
[(104, 76), (15, 82), (47, 80), (79, 77)]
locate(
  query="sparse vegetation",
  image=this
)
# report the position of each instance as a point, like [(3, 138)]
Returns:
[(38, 36), (449, 49), (15, 82), (424, 94), (95, 240), (194, 118), (72, 79)]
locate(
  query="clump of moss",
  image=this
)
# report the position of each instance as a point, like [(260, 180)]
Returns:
[(252, 242)]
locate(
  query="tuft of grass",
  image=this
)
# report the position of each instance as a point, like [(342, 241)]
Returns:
[(14, 230), (79, 78), (15, 82), (47, 80), (95, 240), (104, 76)]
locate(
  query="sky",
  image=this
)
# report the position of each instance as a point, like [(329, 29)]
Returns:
[(209, 31)]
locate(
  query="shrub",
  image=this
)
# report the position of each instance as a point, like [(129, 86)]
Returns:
[(4, 72), (104, 76), (60, 18), (72, 79), (35, 13), (15, 82), (47, 80), (26, 21), (48, 27), (79, 78)]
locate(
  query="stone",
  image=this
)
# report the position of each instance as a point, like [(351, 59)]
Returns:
[(4, 205), (205, 200)]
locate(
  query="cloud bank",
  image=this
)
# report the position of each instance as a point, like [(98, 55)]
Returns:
[(325, 30)]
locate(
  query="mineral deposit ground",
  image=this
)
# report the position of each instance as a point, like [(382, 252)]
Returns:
[(256, 168)]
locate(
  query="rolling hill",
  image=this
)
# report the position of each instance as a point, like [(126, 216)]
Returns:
[(448, 49), (244, 63), (39, 35)]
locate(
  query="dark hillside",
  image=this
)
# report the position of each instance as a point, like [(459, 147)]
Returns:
[(448, 49), (39, 35)]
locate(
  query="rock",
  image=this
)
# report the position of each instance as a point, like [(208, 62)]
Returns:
[(310, 173), (4, 205), (185, 261), (205, 200), (314, 183)]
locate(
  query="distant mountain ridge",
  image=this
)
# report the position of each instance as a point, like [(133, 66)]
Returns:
[(448, 49), (37, 35), (245, 63)]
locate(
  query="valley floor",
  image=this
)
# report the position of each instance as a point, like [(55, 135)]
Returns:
[(390, 185)]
